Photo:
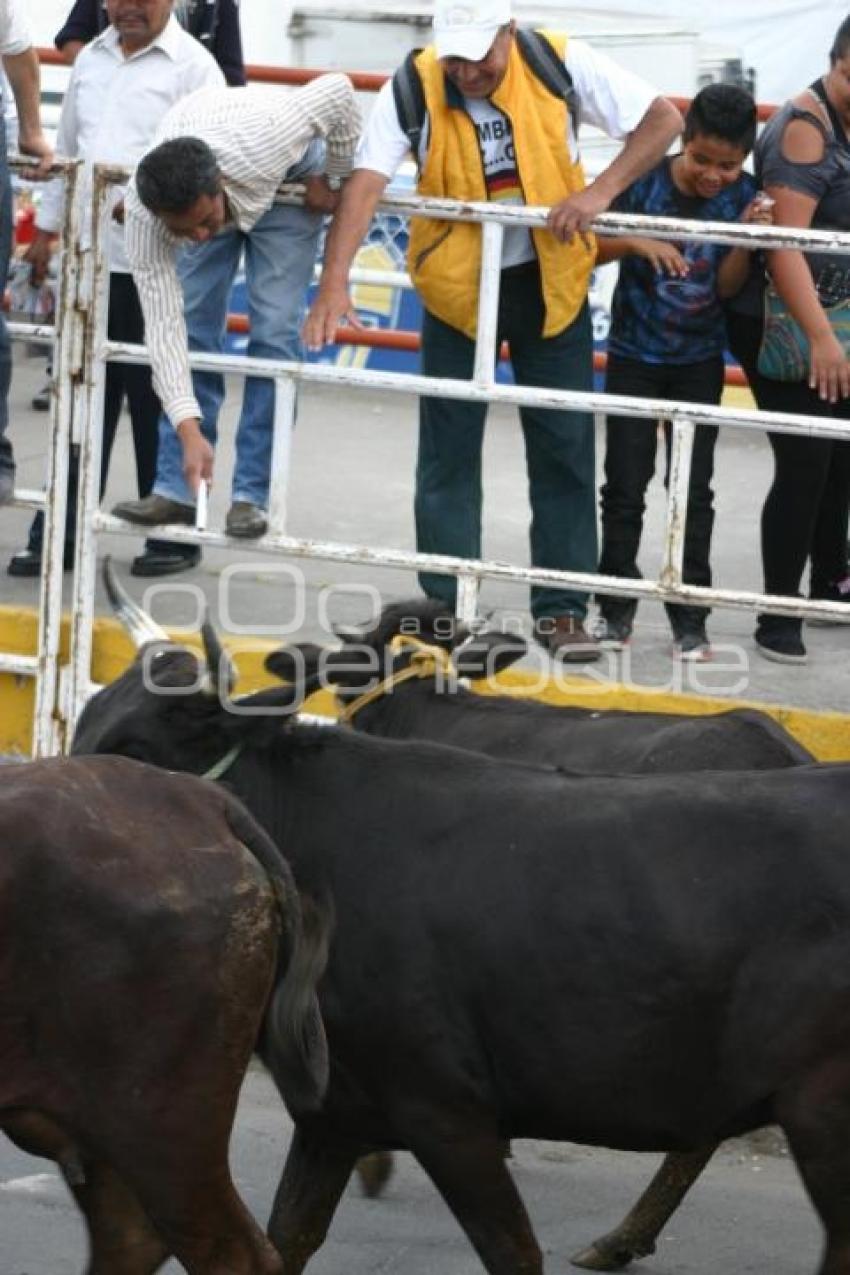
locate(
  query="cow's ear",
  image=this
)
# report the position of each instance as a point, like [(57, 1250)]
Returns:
[(354, 666), (487, 654), (295, 663), (168, 665)]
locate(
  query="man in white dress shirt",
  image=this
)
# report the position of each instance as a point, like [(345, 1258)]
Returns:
[(212, 181), (20, 63), (121, 86)]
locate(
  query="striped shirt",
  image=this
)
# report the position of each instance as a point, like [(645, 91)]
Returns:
[(256, 135)]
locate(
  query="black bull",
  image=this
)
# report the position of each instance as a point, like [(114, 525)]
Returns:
[(434, 704), (150, 934), (653, 962)]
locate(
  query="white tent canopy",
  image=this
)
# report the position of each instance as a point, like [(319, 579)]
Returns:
[(786, 41)]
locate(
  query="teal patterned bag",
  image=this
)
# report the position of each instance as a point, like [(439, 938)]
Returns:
[(784, 351)]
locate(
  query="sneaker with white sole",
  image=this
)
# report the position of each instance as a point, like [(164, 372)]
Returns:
[(692, 645), (612, 635), (781, 642)]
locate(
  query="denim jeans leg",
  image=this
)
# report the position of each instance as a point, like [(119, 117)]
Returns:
[(560, 454), (447, 502), (7, 460), (280, 254), (206, 272)]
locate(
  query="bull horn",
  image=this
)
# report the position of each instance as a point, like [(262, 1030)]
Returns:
[(141, 627), (221, 673)]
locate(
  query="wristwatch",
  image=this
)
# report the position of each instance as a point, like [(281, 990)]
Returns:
[(334, 183)]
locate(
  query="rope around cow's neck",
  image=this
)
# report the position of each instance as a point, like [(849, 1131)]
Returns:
[(224, 763), (425, 660)]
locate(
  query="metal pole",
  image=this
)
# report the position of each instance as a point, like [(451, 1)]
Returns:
[(466, 607), (285, 402), (681, 454), (44, 737), (94, 374), (483, 371)]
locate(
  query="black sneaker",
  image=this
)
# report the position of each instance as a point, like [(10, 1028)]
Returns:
[(692, 645), (782, 643), (26, 563), (157, 560), (612, 635)]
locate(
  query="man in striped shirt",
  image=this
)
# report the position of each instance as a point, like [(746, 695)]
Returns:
[(211, 181)]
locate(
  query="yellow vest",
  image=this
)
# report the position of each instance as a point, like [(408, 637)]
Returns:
[(444, 257)]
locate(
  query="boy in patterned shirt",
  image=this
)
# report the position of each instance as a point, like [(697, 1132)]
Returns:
[(667, 340)]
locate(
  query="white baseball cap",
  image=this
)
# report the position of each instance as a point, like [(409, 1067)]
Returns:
[(467, 28)]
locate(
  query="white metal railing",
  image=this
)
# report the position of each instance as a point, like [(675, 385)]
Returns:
[(43, 665), (97, 351)]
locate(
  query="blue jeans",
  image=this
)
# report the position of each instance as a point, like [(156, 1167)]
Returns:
[(7, 460), (559, 447), (280, 252)]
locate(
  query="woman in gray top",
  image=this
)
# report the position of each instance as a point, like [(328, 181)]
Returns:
[(803, 162)]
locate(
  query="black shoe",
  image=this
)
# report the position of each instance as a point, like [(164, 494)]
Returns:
[(27, 562), (613, 635), (692, 645), (165, 562), (779, 639), (40, 402)]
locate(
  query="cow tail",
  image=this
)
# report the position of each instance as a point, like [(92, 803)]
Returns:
[(292, 1039), (294, 1044)]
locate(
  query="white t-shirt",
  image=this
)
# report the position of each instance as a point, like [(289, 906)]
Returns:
[(610, 98)]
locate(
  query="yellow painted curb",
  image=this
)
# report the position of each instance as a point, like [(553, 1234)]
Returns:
[(826, 735)]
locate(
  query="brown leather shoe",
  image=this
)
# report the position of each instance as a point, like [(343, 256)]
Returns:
[(154, 511), (245, 520), (565, 638)]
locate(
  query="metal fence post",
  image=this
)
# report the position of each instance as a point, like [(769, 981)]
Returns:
[(45, 740)]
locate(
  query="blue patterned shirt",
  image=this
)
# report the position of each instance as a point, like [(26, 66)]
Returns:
[(656, 318)]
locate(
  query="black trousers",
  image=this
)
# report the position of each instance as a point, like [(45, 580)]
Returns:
[(805, 514), (125, 323), (631, 445)]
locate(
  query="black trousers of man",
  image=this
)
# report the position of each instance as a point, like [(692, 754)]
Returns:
[(125, 323)]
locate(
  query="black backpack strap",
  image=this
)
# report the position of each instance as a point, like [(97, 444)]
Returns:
[(540, 56), (409, 98), (546, 63)]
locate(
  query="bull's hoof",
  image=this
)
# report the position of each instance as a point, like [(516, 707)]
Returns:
[(599, 1256), (375, 1171)]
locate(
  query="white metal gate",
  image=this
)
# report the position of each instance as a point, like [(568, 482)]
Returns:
[(80, 373)]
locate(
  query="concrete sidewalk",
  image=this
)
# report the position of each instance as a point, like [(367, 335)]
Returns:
[(352, 481)]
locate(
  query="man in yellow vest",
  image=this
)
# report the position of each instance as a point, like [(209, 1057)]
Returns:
[(494, 126)]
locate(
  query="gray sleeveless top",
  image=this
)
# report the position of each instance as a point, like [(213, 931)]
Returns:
[(827, 181)]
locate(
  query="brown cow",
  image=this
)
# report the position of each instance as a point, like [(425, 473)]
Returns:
[(152, 938)]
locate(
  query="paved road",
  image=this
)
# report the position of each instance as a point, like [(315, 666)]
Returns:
[(353, 462), (748, 1213)]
